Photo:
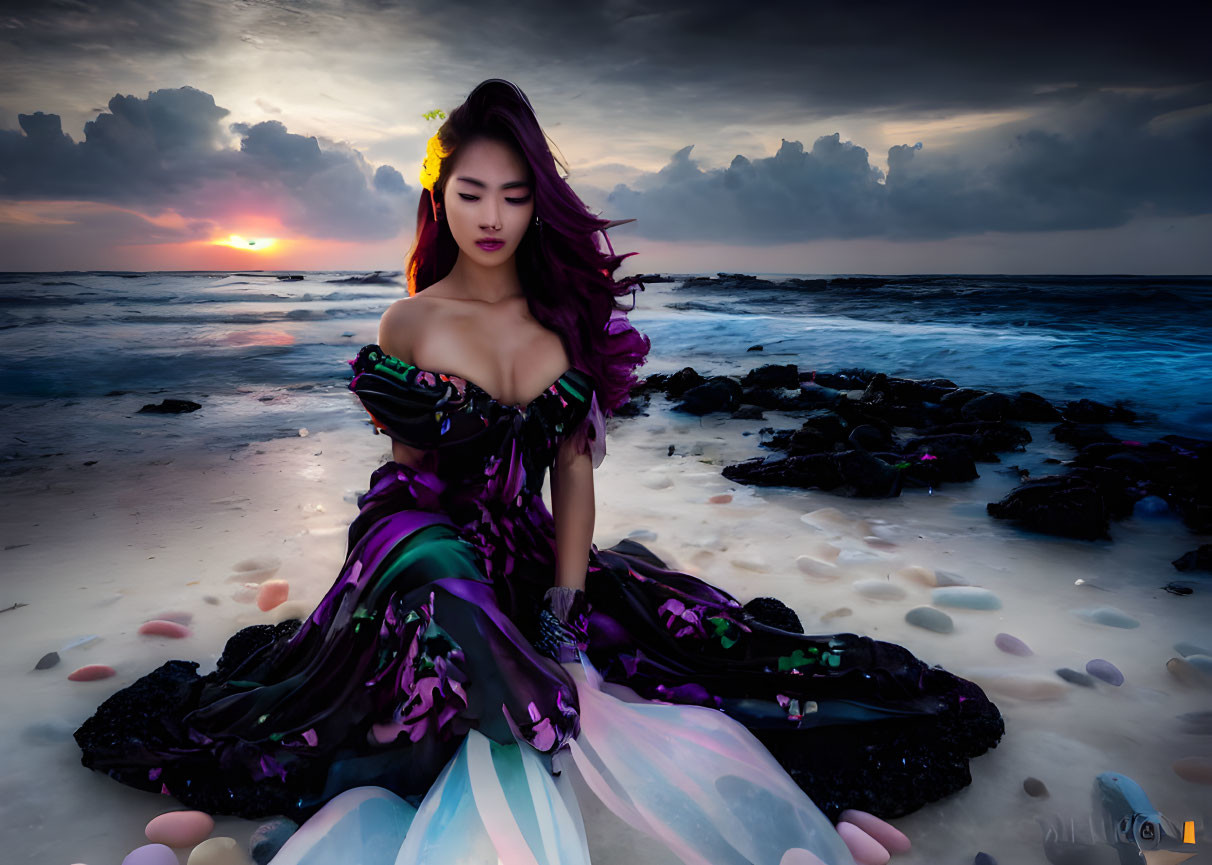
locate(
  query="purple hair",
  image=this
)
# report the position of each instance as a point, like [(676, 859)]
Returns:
[(566, 276)]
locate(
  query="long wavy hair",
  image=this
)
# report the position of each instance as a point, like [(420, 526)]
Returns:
[(565, 274)]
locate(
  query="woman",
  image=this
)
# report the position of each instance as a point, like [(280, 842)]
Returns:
[(476, 645)]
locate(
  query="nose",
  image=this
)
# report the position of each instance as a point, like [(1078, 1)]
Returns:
[(492, 214)]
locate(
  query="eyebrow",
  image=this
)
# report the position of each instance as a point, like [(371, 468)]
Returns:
[(511, 185)]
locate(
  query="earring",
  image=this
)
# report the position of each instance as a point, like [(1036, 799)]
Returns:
[(539, 225)]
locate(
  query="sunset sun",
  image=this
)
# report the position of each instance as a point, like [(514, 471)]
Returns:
[(252, 244)]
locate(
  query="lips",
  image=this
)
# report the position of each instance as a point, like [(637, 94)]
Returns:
[(490, 245)]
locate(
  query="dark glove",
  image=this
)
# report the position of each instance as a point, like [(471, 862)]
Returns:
[(563, 624)]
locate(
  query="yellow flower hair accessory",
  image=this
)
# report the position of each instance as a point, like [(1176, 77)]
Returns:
[(432, 164)]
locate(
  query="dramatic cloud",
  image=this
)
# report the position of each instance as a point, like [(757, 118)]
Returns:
[(171, 151), (1132, 156)]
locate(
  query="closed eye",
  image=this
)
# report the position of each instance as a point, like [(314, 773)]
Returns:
[(466, 197)]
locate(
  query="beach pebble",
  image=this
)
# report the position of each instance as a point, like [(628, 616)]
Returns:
[(655, 480), (268, 838), (1201, 662), (211, 599), (1185, 649), (1197, 770), (163, 628), (966, 597), (255, 570), (880, 590), (918, 574), (1105, 670), (839, 613), (1151, 506), (721, 499), (1179, 588), (879, 543), (151, 854), (891, 838), (1187, 673), (858, 557), (1073, 677), (930, 619), (91, 672), (984, 859), (825, 552), (816, 569), (642, 535), (1024, 687), (949, 578), (218, 851), (50, 659), (1035, 788), (753, 563), (1109, 616), (865, 849), (272, 593), (180, 828), (1012, 645), (81, 642)]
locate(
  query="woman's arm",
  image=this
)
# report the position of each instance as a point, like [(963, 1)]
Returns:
[(396, 333), (572, 506)]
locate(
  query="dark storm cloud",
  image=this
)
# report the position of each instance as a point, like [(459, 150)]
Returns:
[(1128, 159), (169, 151)]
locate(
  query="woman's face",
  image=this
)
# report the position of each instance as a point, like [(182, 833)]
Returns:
[(488, 196)]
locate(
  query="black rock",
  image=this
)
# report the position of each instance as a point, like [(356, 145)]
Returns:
[(1179, 588), (170, 406), (1035, 787), (1075, 678), (776, 614), (1196, 560), (50, 659)]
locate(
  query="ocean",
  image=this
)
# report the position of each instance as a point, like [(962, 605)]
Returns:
[(81, 352)]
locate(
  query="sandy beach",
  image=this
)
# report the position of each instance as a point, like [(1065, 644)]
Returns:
[(95, 551)]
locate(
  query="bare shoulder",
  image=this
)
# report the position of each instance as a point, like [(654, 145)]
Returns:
[(401, 324)]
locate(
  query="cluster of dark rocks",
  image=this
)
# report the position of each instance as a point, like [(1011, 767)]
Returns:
[(923, 433)]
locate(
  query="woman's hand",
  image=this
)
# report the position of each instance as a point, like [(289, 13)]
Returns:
[(563, 624)]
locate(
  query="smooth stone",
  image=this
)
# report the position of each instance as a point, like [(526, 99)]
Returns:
[(753, 563), (865, 849), (721, 499), (826, 552), (879, 543), (1197, 770), (930, 619), (164, 628), (891, 838), (1179, 588), (1185, 649), (880, 590), (256, 569), (1075, 678), (817, 569), (151, 854), (966, 597), (1035, 788), (91, 673), (268, 838), (180, 828), (1201, 662), (1187, 673), (918, 574), (1012, 645), (839, 613), (1151, 506), (50, 659), (642, 535), (218, 851), (949, 578), (984, 859), (1109, 616), (858, 557), (1033, 688), (272, 593), (211, 599), (81, 642), (1105, 670)]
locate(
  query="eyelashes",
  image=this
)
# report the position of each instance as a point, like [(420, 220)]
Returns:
[(466, 197)]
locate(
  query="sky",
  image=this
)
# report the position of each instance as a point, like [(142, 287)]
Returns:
[(767, 137)]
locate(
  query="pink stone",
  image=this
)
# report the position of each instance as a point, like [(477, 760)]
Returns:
[(891, 838), (272, 593), (91, 672), (164, 628), (180, 828), (800, 856), (865, 849), (721, 499)]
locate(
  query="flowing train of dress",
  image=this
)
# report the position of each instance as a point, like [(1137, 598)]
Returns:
[(413, 682)]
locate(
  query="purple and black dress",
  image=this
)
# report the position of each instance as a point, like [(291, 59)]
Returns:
[(413, 694)]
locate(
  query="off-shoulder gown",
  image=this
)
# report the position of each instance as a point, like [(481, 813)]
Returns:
[(720, 729)]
